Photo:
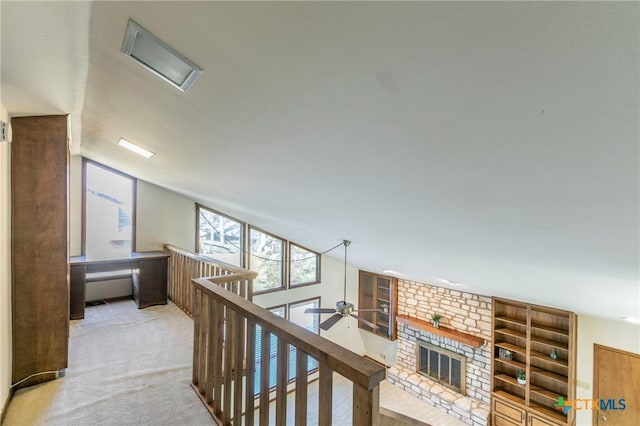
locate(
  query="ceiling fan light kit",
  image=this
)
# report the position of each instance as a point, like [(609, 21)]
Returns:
[(343, 308)]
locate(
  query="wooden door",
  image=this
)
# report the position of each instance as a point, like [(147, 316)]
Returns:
[(616, 381)]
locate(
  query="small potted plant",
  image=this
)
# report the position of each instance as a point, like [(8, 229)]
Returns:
[(436, 320), (522, 377)]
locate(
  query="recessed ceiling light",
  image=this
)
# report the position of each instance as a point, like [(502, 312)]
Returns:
[(135, 148), (390, 271), (158, 57), (631, 320)]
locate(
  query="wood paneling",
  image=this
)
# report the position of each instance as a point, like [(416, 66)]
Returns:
[(39, 226)]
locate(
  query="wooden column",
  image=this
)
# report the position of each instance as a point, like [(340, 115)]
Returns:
[(39, 226)]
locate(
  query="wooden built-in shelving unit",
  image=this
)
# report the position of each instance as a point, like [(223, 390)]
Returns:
[(378, 303), (459, 336), (530, 333)]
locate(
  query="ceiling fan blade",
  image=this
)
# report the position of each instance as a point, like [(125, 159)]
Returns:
[(330, 322), (319, 311), (368, 310), (365, 322)]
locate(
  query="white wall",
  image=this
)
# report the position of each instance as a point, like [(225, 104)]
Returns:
[(75, 206), (616, 334), (162, 217), (5, 266)]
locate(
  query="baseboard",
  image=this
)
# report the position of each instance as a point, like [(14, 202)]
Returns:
[(6, 404)]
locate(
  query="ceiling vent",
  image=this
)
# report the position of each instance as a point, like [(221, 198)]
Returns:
[(158, 57)]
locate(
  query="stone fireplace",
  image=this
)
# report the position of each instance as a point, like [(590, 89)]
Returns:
[(433, 379)]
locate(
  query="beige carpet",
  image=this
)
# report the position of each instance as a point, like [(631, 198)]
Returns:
[(126, 366)]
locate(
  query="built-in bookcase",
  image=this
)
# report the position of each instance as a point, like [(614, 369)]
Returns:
[(378, 303), (542, 342)]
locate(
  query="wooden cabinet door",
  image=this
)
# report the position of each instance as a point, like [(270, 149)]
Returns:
[(151, 288), (516, 415), (39, 224), (541, 421)]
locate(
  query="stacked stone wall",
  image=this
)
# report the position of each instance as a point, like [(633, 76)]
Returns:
[(462, 311)]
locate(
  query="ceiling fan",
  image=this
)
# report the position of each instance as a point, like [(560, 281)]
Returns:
[(343, 308)]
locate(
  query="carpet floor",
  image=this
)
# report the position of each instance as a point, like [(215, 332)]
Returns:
[(126, 366)]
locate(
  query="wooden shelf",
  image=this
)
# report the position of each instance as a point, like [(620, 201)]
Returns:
[(549, 375), (545, 393), (509, 396), (511, 320), (459, 336), (510, 332), (557, 331), (550, 343), (508, 379), (511, 347), (511, 362), (554, 414)]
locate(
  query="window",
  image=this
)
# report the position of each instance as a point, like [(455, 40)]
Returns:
[(303, 266), (219, 236), (108, 230), (267, 259), (280, 264), (310, 322), (441, 365), (296, 313), (273, 352)]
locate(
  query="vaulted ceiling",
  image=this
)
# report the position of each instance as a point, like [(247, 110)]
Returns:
[(491, 144)]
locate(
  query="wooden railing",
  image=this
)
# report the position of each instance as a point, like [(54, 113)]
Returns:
[(185, 266), (224, 362)]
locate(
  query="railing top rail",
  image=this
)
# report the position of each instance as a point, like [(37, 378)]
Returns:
[(359, 370), (205, 259), (249, 275)]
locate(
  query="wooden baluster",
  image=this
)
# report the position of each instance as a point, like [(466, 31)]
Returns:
[(229, 339), (325, 397), (213, 341), (217, 347), (301, 387), (238, 370), (265, 358), (366, 405), (250, 378), (196, 337), (203, 345), (281, 382)]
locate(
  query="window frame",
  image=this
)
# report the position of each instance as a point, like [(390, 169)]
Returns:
[(318, 268), (134, 203), (284, 284), (243, 225)]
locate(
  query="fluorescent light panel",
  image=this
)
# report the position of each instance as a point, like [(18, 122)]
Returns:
[(135, 148), (158, 57)]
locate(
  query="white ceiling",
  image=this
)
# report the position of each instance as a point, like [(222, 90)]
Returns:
[(491, 144)]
